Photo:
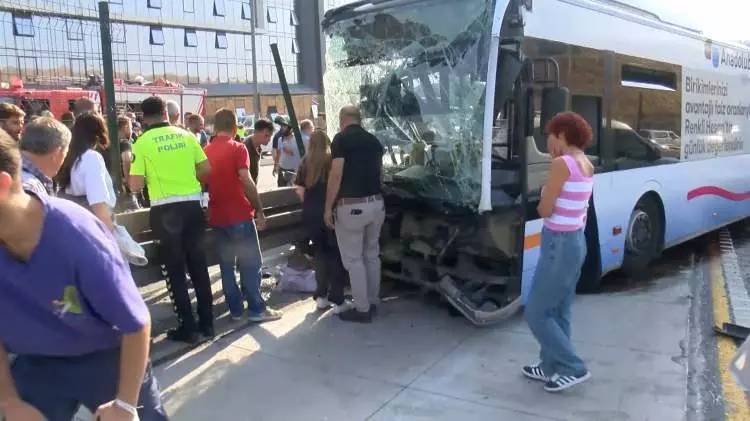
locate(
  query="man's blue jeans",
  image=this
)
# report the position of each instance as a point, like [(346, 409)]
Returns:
[(239, 244), (548, 310)]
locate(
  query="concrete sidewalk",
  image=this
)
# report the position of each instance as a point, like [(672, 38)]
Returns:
[(163, 318), (416, 362)]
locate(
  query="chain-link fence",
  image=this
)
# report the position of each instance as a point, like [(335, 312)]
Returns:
[(50, 43), (190, 42)]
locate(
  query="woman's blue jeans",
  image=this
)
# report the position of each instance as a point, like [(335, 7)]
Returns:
[(548, 309), (239, 244)]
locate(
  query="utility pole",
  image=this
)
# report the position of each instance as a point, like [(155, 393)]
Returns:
[(287, 98), (109, 94), (254, 55)]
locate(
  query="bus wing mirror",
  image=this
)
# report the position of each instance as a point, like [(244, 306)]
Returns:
[(554, 101)]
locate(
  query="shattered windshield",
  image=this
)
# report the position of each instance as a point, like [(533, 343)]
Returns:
[(418, 72)]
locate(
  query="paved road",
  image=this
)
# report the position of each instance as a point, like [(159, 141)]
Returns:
[(416, 362)]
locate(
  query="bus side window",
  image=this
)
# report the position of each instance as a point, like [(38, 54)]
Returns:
[(631, 147), (590, 108)]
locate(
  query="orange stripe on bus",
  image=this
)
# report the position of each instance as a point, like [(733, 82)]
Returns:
[(532, 241)]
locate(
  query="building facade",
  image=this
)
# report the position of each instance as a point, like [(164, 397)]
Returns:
[(222, 46)]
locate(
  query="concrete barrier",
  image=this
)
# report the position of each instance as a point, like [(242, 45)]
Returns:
[(284, 225)]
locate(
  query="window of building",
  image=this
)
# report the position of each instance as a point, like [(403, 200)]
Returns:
[(293, 20), (219, 8), (157, 35), (295, 47), (641, 77), (247, 11), (77, 67), (192, 71), (223, 73), (74, 29), (259, 7), (221, 40), (271, 14), (188, 6), (120, 69), (248, 42), (28, 68), (117, 33), (154, 4), (267, 72), (249, 72), (23, 25), (191, 38), (159, 71)]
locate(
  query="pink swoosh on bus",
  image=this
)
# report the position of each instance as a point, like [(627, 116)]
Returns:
[(717, 191)]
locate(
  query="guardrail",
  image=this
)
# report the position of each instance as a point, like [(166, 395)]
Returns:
[(284, 225)]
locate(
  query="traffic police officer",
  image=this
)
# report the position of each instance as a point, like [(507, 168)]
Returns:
[(171, 162)]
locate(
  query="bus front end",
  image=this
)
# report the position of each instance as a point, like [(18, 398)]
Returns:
[(419, 72)]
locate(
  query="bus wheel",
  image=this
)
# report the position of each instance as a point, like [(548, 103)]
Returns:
[(643, 241)]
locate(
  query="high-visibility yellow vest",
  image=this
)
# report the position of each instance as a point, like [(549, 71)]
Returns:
[(167, 156)]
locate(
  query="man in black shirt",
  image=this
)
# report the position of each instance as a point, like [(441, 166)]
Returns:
[(262, 131), (354, 188)]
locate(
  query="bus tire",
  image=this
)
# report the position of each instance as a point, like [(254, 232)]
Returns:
[(644, 237)]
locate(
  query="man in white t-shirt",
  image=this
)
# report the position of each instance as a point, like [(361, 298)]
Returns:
[(290, 157)]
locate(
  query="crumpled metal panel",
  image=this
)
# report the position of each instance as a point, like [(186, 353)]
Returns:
[(418, 72)]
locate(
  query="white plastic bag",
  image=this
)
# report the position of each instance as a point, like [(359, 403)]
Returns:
[(131, 250), (292, 280)]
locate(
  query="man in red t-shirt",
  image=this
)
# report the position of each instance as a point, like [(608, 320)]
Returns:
[(234, 208)]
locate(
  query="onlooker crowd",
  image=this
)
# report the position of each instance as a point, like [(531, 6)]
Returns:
[(168, 167)]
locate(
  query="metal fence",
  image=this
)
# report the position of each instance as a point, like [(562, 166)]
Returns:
[(50, 43), (59, 44)]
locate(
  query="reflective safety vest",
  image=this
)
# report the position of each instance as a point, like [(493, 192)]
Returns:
[(167, 156)]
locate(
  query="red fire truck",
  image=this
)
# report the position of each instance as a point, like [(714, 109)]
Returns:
[(128, 97)]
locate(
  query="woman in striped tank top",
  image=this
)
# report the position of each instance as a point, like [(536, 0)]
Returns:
[(563, 206)]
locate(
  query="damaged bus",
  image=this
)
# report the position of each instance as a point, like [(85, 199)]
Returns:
[(458, 92)]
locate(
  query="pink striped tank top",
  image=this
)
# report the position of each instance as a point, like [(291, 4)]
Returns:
[(570, 209)]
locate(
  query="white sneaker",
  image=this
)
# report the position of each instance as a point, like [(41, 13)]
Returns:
[(558, 383), (345, 306), (322, 303)]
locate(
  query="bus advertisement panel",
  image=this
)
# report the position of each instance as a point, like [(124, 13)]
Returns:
[(715, 115)]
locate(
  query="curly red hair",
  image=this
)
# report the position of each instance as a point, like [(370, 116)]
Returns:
[(576, 129)]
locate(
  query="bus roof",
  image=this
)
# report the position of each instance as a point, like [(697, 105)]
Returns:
[(641, 12)]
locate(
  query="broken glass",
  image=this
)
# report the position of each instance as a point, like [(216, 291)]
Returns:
[(417, 69)]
